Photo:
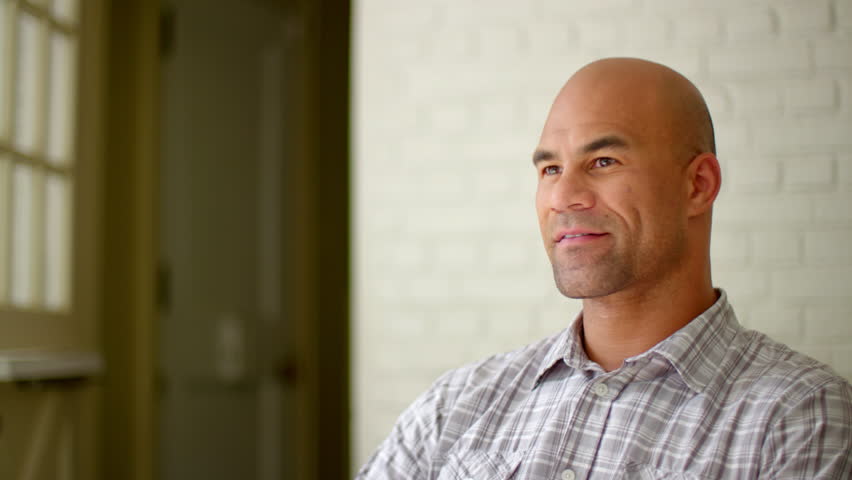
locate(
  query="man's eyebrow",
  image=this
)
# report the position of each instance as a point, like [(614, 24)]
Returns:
[(608, 141), (604, 142), (542, 156)]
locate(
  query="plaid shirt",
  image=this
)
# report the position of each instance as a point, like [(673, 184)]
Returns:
[(711, 401)]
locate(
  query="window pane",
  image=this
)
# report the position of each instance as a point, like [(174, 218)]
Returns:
[(23, 215), (65, 10), (5, 67), (5, 188), (27, 83), (62, 84), (57, 231)]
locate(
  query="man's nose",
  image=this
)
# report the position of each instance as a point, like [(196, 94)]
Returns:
[(571, 192)]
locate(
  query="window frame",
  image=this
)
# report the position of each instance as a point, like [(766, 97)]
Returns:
[(36, 327)]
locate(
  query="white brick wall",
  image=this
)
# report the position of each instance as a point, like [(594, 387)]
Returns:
[(449, 98)]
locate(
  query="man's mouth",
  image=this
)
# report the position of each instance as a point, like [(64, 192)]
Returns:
[(576, 237)]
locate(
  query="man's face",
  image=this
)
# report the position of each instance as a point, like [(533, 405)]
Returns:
[(610, 197)]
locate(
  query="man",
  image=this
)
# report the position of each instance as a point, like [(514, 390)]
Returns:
[(655, 378)]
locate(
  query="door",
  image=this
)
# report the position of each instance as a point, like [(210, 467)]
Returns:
[(223, 409)]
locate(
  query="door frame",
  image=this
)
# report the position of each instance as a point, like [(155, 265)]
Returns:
[(317, 272), (128, 327), (315, 261)]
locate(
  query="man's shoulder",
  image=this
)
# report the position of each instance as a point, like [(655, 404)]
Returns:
[(508, 370), (776, 369)]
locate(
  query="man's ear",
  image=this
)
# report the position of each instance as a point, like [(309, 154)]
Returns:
[(705, 178)]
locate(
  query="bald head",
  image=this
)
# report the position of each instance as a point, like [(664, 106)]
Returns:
[(652, 98), (627, 177)]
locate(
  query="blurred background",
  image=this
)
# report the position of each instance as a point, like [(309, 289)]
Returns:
[(238, 237)]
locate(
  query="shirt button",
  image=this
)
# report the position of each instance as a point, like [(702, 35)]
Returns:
[(568, 475), (600, 389)]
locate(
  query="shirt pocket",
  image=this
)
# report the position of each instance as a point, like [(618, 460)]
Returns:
[(480, 465)]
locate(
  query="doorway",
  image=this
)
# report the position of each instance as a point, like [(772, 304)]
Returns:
[(213, 383), (229, 401)]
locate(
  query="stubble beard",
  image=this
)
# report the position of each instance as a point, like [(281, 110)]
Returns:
[(597, 278), (618, 268)]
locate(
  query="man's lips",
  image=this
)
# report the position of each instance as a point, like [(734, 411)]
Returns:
[(577, 236)]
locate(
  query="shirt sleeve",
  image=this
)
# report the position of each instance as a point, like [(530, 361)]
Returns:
[(813, 438), (408, 451)]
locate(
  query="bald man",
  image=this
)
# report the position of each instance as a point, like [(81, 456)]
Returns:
[(655, 378)]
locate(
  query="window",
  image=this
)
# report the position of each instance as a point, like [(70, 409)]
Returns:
[(51, 97), (38, 72)]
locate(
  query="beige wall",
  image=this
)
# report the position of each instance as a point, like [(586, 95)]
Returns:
[(449, 97)]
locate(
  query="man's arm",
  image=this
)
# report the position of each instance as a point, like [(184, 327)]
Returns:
[(813, 438), (408, 451)]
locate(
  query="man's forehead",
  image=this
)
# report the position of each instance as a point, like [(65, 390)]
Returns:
[(584, 135), (576, 118), (603, 103)]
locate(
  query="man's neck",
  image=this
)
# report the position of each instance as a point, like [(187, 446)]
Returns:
[(626, 324)]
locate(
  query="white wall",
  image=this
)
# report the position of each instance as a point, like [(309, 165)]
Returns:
[(449, 99)]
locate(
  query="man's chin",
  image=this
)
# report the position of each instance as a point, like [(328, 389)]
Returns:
[(578, 294), (588, 286)]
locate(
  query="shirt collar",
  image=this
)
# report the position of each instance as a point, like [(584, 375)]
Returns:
[(698, 349), (695, 351), (567, 348)]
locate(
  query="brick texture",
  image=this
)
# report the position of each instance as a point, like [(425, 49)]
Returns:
[(448, 101)]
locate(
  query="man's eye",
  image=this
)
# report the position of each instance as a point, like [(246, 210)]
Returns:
[(604, 162), (550, 170)]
